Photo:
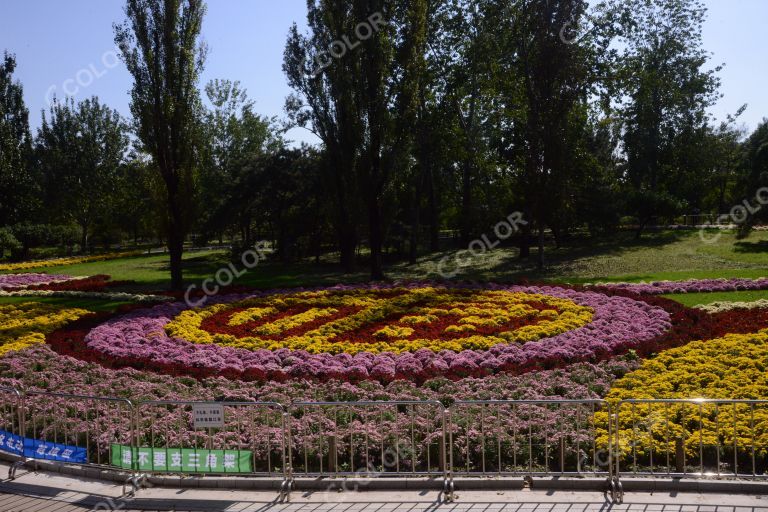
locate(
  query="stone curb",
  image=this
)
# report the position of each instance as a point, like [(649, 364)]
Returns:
[(673, 484)]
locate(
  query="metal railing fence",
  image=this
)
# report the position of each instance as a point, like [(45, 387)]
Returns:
[(527, 437), (61, 422), (11, 418), (693, 438), (367, 438), (696, 438), (254, 431)]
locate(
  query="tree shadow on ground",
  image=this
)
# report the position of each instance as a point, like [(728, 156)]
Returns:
[(580, 248), (504, 265), (751, 247), (265, 275), (584, 246)]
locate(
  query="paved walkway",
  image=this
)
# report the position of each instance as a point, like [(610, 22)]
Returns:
[(47, 492), (481, 502)]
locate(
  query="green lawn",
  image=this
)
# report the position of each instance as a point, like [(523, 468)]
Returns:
[(671, 255), (694, 299), (152, 272), (149, 270)]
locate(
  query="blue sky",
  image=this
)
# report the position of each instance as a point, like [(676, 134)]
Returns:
[(68, 46)]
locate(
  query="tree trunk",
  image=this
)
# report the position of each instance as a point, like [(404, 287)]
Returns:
[(347, 246), (175, 240), (540, 255), (413, 243), (540, 225), (84, 238), (434, 217), (640, 229), (524, 238), (558, 235), (524, 247), (176, 249), (376, 241), (466, 203)]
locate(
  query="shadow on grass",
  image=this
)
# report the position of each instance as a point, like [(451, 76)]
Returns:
[(153, 273), (580, 247), (265, 275), (751, 247), (574, 249)]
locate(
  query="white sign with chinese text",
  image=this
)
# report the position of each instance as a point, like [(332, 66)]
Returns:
[(208, 415)]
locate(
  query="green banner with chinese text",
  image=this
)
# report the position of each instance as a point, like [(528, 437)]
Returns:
[(181, 460)]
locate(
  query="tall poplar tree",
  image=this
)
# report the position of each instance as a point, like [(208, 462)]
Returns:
[(16, 185), (161, 46)]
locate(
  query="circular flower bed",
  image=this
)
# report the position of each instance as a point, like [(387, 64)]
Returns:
[(383, 333), (394, 320)]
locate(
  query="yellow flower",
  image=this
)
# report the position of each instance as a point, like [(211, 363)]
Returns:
[(467, 311), (732, 367), (249, 315), (25, 324), (26, 265), (391, 331)]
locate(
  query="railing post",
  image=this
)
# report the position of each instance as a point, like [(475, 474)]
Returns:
[(21, 404), (614, 453), (21, 424), (288, 483), (447, 459), (332, 454), (134, 433), (679, 455)]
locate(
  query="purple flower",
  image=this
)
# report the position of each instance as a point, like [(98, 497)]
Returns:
[(10, 281), (618, 323)]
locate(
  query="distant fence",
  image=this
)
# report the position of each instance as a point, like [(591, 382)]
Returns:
[(367, 439), (248, 439), (361, 441), (697, 437), (527, 437)]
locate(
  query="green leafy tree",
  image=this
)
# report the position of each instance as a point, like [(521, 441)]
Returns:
[(138, 201), (289, 200), (374, 87), (17, 186), (80, 148), (235, 137), (461, 59), (7, 241), (161, 48), (753, 168), (544, 82), (324, 102), (667, 93)]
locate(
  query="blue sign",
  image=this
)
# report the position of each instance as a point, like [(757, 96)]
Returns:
[(11, 443), (35, 449)]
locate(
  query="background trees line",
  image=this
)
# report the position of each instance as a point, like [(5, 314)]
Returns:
[(448, 117), (458, 112)]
